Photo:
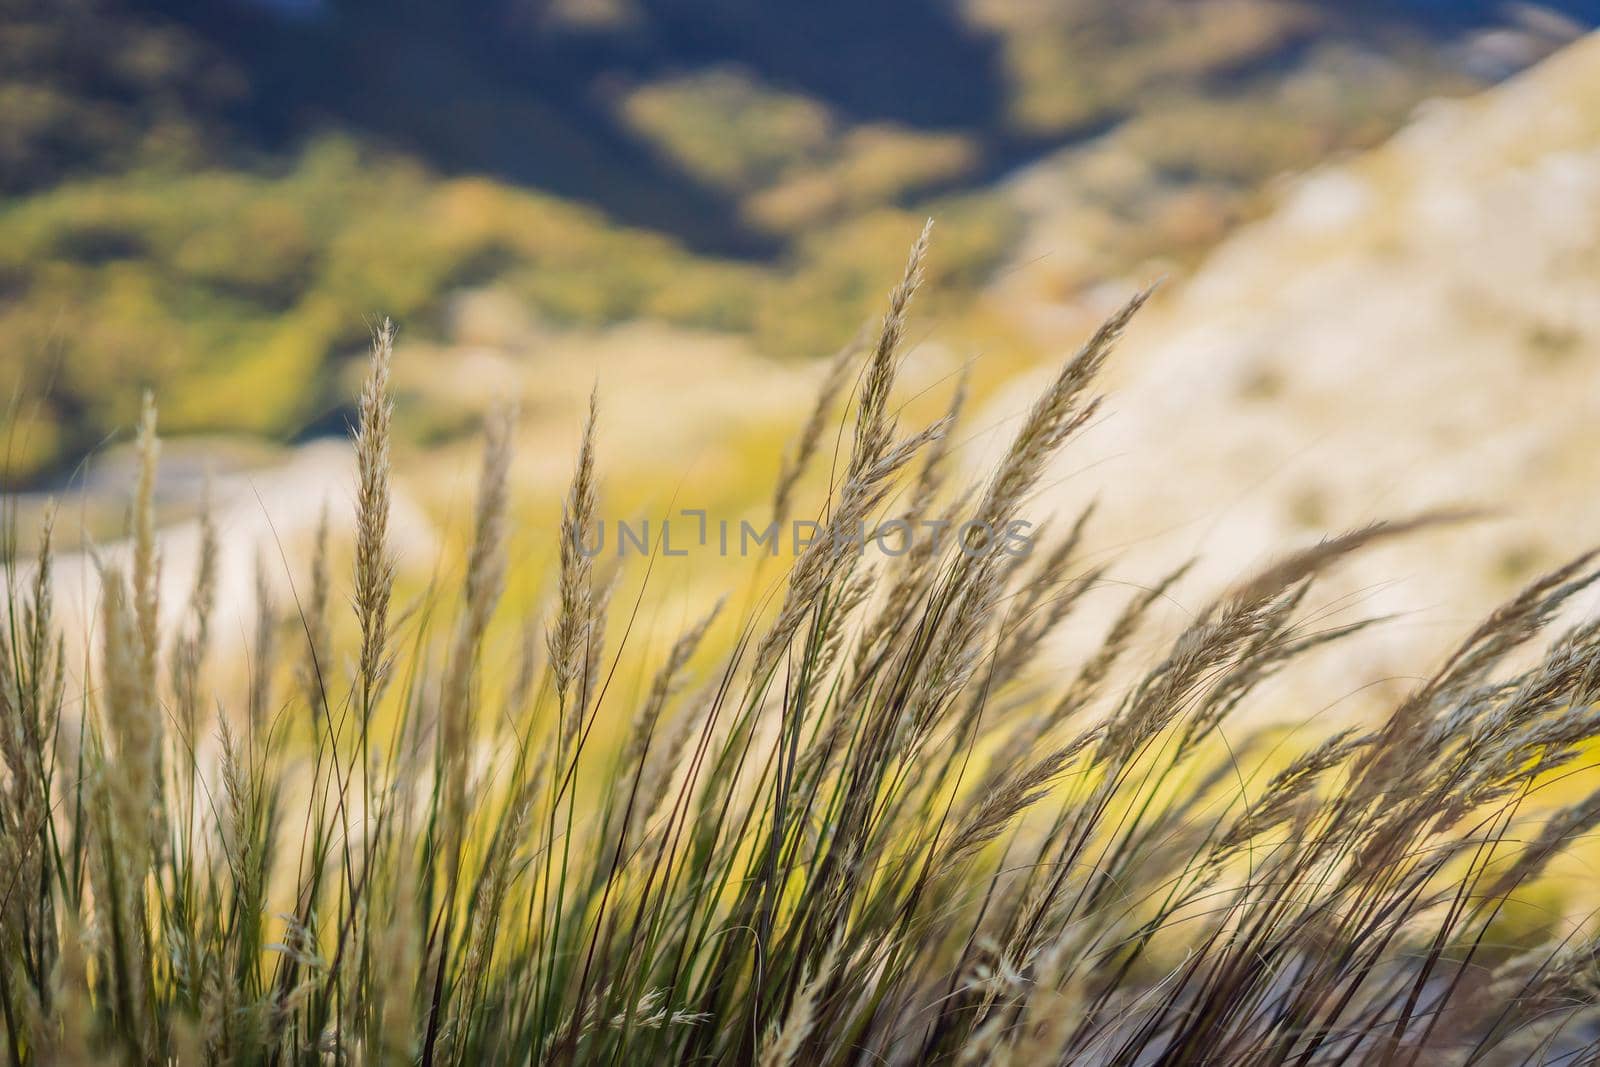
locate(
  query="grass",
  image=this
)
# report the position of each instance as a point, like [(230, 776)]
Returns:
[(875, 830)]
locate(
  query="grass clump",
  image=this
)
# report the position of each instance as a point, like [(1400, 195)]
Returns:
[(871, 833)]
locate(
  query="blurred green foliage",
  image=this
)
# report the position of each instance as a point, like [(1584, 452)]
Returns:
[(206, 199), (787, 160), (235, 294)]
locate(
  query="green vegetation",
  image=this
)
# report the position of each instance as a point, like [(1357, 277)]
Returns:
[(197, 195), (874, 832), (227, 291), (785, 159)]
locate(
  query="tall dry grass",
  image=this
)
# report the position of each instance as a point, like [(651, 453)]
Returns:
[(871, 832)]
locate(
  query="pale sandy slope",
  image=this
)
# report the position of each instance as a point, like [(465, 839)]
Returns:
[(1419, 326)]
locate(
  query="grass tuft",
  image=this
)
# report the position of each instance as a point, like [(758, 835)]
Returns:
[(869, 825)]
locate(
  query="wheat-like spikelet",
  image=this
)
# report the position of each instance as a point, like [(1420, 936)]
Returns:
[(1287, 789), (374, 563), (912, 571), (997, 807), (124, 796), (30, 700), (243, 815), (194, 640), (1058, 413), (824, 557), (146, 564), (132, 721), (40, 615), (1093, 674), (874, 427), (571, 631), (783, 1046)]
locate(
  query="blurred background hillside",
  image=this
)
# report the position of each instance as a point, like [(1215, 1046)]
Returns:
[(697, 201), (211, 198)]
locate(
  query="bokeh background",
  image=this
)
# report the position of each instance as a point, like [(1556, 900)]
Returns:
[(1378, 226)]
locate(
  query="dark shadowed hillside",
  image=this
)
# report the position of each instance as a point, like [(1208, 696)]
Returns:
[(537, 91)]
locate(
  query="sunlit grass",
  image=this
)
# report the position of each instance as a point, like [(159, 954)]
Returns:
[(850, 814)]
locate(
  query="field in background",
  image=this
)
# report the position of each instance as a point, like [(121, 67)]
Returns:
[(208, 199)]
